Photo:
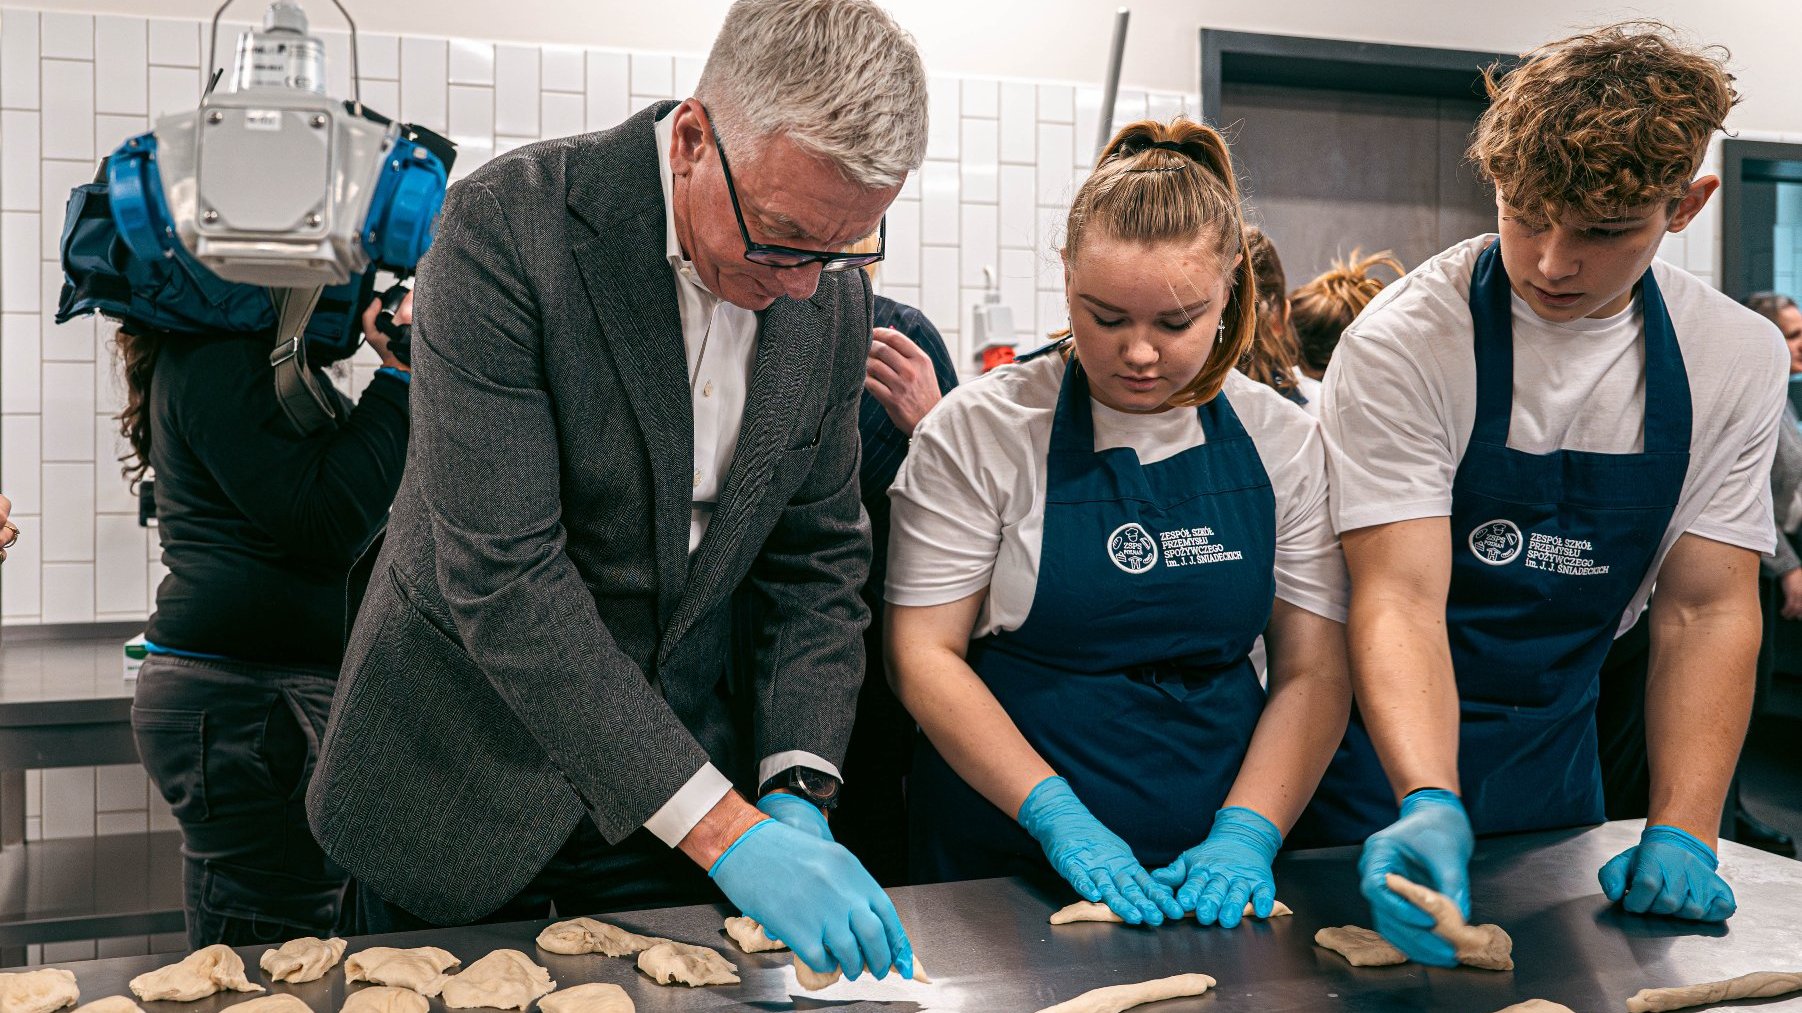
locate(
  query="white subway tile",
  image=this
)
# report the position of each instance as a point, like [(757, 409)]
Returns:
[(688, 75), (121, 575), (516, 91), (337, 62), (382, 96), (1051, 225), (1164, 107), (68, 598), (560, 115), (1054, 315), (471, 62), (1056, 144), (68, 36), (69, 413), (1019, 217), (19, 59), (561, 67), (471, 118), (910, 187), (20, 460), (21, 591), (1128, 107), (68, 512), (941, 111), (18, 160), (34, 793), (120, 823), (1018, 294), (68, 127), (1088, 121), (173, 90), (59, 176), (978, 244), (21, 359), (938, 287), (120, 787), (423, 77), (68, 807), (1057, 103), (112, 493), (34, 831), (161, 818), (979, 160), (1704, 238), (939, 203), (653, 75), (175, 43), (120, 58), (981, 97), (609, 86), (378, 54), (19, 262), (901, 261), (1019, 123), (111, 131)]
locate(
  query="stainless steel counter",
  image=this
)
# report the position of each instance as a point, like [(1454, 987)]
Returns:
[(988, 948)]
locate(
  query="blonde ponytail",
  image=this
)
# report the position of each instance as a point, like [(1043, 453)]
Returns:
[(1322, 309)]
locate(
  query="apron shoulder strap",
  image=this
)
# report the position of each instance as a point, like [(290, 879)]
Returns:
[(1491, 315)]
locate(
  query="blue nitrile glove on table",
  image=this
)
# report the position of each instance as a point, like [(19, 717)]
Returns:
[(797, 812), (815, 896), (1217, 877), (1430, 844), (1669, 872), (1093, 858)]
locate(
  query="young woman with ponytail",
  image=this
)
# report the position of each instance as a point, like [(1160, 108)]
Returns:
[(1321, 310), (1274, 358), (1085, 547)]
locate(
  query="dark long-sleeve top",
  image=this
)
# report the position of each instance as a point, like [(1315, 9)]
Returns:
[(885, 446), (260, 525), (1786, 476)]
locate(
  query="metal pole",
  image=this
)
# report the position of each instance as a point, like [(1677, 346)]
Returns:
[(1110, 89)]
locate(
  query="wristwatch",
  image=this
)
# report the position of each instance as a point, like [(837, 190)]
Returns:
[(815, 786)]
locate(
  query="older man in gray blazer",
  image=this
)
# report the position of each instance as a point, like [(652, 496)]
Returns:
[(639, 357)]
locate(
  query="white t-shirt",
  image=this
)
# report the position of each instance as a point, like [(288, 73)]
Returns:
[(1309, 388), (969, 502), (1400, 401)]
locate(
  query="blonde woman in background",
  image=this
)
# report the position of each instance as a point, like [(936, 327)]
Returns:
[(1321, 310)]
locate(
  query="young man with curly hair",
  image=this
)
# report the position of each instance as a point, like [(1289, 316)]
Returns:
[(1526, 435)]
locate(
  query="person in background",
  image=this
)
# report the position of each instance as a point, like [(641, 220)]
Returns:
[(260, 527), (1528, 434), (1084, 548), (1321, 310), (1274, 358)]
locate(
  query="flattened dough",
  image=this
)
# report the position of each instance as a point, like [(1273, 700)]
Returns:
[(673, 963), (207, 970), (282, 1003), (111, 1004), (1757, 985), (39, 991), (591, 998), (1115, 998), (300, 960), (420, 968), (585, 935), (1537, 1006), (1484, 946), (504, 979), (385, 999), (1089, 911), (751, 937), (812, 980), (1360, 946)]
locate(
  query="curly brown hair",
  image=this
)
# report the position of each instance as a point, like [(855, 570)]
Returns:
[(1603, 122), (137, 360)]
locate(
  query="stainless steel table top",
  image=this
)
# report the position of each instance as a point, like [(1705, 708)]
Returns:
[(988, 947)]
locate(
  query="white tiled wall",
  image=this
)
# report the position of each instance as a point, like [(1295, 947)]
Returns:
[(1003, 161)]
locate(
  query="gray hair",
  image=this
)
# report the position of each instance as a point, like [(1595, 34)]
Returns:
[(1769, 304), (837, 77)]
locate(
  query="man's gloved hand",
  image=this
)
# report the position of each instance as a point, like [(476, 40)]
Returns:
[(1669, 872), (1093, 858), (1215, 878), (797, 812), (815, 896), (1430, 844)]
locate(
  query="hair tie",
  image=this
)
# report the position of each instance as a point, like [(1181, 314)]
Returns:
[(1175, 146)]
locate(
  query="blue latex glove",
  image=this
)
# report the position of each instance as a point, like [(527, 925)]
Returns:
[(797, 812), (1093, 858), (1669, 873), (816, 897), (1217, 877), (1430, 844)]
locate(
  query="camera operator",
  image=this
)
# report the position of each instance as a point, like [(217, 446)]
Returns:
[(259, 527)]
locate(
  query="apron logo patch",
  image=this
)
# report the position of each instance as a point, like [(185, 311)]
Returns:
[(1132, 548), (1195, 547), (1567, 557), (1497, 543)]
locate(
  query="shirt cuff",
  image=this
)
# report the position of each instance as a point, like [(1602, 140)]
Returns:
[(776, 763), (688, 805), (399, 374)]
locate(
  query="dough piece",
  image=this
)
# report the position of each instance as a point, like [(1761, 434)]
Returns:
[(40, 991), (1484, 946), (673, 963), (1115, 998), (301, 960), (751, 937), (420, 968), (282, 1003), (1360, 946), (589, 998), (1757, 985), (585, 935), (813, 980), (504, 979), (1089, 911), (1537, 1006), (111, 1004), (202, 973), (385, 999)]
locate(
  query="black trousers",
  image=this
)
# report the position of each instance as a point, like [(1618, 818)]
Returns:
[(231, 746)]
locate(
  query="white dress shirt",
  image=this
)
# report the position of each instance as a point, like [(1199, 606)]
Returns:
[(721, 341)]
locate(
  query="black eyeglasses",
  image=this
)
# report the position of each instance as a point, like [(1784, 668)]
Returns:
[(788, 256)]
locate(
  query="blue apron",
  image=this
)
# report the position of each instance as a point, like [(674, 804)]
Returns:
[(1129, 675), (1548, 551)]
